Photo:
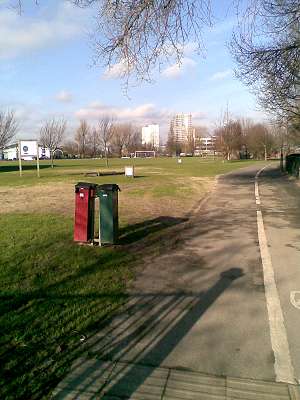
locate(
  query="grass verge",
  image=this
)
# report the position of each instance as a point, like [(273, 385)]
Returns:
[(53, 294)]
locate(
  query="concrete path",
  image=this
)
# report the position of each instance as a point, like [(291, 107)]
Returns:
[(92, 379), (281, 210), (199, 309)]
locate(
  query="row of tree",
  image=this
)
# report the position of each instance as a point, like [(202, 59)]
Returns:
[(233, 138), (244, 139), (107, 138), (238, 138)]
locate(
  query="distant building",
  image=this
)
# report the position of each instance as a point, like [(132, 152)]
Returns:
[(28, 151), (208, 144), (150, 135), (181, 129), (205, 145)]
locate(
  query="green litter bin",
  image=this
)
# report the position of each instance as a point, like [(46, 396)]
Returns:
[(108, 213)]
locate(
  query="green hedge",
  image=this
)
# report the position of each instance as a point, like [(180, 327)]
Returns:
[(292, 164)]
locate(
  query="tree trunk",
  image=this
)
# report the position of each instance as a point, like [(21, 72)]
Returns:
[(281, 159), (51, 156), (106, 157), (120, 151), (265, 152)]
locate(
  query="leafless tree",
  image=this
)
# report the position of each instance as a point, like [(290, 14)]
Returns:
[(70, 147), (266, 46), (106, 130), (259, 139), (137, 35), (133, 139), (229, 137), (122, 139), (8, 128), (51, 135), (189, 145), (82, 137), (173, 147), (94, 142)]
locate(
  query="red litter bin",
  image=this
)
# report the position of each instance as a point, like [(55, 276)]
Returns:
[(84, 212)]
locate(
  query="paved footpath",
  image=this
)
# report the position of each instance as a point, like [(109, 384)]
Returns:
[(281, 211), (197, 323)]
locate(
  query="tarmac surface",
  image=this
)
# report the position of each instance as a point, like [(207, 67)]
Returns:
[(196, 325)]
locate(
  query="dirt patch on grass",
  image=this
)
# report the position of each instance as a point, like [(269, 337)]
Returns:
[(58, 198), (50, 198)]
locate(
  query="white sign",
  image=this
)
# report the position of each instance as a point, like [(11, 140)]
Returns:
[(129, 171), (28, 148)]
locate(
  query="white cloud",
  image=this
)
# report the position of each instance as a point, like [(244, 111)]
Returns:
[(64, 96), (115, 71), (139, 115), (176, 70), (190, 48), (20, 34), (144, 113), (218, 76)]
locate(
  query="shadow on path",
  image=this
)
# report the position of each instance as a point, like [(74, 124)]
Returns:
[(133, 233), (146, 333)]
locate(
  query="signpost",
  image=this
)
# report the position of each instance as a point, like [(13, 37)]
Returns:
[(28, 149), (37, 160), (20, 160)]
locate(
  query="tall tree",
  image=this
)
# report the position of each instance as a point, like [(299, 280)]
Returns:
[(51, 135), (8, 128), (266, 47), (133, 139), (259, 140), (81, 137), (70, 147), (121, 138), (229, 137), (94, 142), (106, 130)]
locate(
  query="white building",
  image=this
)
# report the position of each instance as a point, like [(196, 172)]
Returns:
[(150, 135), (208, 144), (28, 151), (181, 128)]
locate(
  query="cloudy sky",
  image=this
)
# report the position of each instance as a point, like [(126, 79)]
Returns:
[(46, 70)]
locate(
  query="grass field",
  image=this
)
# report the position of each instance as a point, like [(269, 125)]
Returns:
[(55, 293)]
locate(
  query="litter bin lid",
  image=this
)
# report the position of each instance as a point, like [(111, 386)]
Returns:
[(109, 187), (85, 185)]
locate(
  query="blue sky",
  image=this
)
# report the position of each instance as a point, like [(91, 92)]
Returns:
[(46, 70)]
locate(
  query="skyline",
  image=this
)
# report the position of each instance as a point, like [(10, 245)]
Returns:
[(46, 70)]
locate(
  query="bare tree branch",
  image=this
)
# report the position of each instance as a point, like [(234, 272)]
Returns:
[(51, 135), (266, 47), (82, 137), (138, 35), (8, 128), (106, 130)]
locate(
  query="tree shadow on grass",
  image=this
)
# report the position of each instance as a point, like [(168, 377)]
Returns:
[(14, 168), (136, 232), (55, 297)]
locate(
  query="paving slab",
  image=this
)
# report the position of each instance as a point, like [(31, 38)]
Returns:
[(122, 380)]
